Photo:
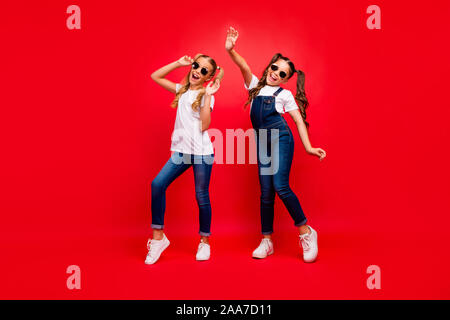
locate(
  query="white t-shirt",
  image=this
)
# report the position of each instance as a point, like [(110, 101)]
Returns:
[(187, 136), (284, 102)]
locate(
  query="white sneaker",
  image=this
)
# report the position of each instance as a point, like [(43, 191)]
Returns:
[(155, 248), (308, 242), (264, 249), (203, 252)]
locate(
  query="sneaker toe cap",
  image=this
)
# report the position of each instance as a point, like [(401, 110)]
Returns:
[(310, 256)]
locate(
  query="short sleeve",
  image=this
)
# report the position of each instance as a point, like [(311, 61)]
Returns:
[(211, 104), (253, 83), (177, 87), (289, 102)]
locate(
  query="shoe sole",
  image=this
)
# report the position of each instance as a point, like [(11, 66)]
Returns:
[(259, 257), (201, 259), (164, 248), (310, 261)]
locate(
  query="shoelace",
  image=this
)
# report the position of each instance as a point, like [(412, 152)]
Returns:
[(305, 241), (149, 244), (266, 243)]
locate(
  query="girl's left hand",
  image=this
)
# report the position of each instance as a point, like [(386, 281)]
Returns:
[(212, 87), (317, 152)]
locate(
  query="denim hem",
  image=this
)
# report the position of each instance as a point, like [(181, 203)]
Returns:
[(266, 233), (301, 223), (157, 226), (204, 234)]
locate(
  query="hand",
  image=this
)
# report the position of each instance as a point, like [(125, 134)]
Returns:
[(185, 60), (232, 36), (317, 152), (212, 88)]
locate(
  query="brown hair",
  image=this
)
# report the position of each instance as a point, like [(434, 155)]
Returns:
[(185, 87), (300, 95)]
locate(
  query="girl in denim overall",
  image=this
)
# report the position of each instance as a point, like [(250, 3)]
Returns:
[(191, 147), (275, 143)]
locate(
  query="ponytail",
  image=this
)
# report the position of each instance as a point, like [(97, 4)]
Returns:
[(300, 96), (219, 76)]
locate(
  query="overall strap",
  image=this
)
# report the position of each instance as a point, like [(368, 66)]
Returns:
[(277, 92)]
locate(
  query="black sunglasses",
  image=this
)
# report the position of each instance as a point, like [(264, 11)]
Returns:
[(203, 71), (274, 67)]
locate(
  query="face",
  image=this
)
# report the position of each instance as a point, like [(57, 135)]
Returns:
[(201, 71), (278, 73)]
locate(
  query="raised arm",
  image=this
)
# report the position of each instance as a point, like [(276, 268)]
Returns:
[(232, 36), (159, 75)]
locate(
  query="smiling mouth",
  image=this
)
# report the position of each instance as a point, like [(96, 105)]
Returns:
[(196, 77), (271, 77)]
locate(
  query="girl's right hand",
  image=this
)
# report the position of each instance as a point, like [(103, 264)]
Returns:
[(185, 60), (232, 36)]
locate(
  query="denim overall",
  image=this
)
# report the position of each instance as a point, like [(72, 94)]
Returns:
[(274, 141)]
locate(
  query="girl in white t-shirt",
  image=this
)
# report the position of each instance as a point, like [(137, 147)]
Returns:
[(268, 102), (191, 147)]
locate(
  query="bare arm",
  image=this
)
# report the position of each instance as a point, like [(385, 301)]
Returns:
[(303, 132), (232, 36), (159, 75), (205, 111)]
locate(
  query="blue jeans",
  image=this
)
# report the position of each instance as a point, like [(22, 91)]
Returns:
[(175, 166), (278, 181), (279, 149)]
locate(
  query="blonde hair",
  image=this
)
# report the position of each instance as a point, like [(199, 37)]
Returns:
[(185, 87)]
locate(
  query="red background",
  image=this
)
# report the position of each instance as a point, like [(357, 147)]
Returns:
[(84, 130)]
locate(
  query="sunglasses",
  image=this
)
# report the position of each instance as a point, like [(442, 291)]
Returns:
[(274, 67), (203, 71)]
